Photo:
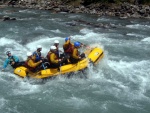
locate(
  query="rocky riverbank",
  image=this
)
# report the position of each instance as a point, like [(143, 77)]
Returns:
[(123, 10)]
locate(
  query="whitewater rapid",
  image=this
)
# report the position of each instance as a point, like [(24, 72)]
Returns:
[(119, 83)]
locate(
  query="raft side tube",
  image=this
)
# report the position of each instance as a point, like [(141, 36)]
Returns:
[(95, 55), (21, 71), (63, 69), (99, 58)]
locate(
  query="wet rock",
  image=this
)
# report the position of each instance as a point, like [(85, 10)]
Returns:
[(57, 9), (12, 2), (71, 23), (119, 10), (13, 18), (7, 18), (98, 25)]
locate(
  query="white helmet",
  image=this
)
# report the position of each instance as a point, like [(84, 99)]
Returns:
[(56, 42), (53, 48), (38, 46), (29, 53)]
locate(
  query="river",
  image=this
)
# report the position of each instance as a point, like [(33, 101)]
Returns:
[(120, 83)]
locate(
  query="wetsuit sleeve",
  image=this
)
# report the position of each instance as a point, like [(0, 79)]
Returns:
[(6, 63), (53, 58), (65, 46), (75, 54), (16, 58), (33, 64)]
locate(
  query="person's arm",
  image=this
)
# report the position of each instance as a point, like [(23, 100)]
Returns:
[(5, 64), (16, 58), (32, 64), (65, 46), (53, 58)]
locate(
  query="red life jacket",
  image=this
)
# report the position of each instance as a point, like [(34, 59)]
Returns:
[(69, 49), (48, 56)]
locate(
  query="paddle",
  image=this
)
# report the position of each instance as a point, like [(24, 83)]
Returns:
[(43, 66), (79, 42), (60, 62)]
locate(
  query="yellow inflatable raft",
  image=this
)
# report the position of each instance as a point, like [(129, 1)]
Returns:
[(94, 55)]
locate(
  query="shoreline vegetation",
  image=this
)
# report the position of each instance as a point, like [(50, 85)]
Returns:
[(118, 8)]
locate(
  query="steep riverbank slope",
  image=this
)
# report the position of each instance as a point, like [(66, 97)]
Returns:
[(122, 10)]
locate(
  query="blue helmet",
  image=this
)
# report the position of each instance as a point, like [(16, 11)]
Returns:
[(76, 44), (66, 38)]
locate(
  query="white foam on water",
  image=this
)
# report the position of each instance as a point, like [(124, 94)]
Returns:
[(136, 67), (8, 75), (75, 16), (76, 102), (55, 19), (28, 11), (4, 41), (56, 31), (39, 28), (134, 72), (102, 19), (147, 39), (25, 88), (138, 26), (3, 102), (30, 18), (92, 37), (19, 86), (85, 31), (13, 46), (135, 34), (63, 12), (45, 42), (131, 105), (88, 34)]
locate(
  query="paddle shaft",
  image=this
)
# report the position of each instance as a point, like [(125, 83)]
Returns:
[(60, 62), (79, 42)]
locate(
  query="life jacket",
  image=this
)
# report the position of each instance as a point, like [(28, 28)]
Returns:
[(72, 59), (57, 52), (27, 66), (77, 54), (48, 56), (11, 59), (38, 54), (69, 49)]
